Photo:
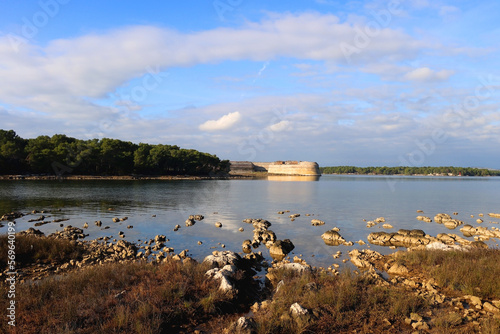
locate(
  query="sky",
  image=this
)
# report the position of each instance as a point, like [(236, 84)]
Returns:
[(365, 83)]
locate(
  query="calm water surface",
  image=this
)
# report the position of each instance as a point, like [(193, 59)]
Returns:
[(341, 201)]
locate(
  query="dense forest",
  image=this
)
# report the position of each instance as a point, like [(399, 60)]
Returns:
[(61, 154), (464, 171)]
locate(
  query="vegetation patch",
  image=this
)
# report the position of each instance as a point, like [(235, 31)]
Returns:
[(49, 155), (475, 272), (410, 170), (31, 250), (134, 297)]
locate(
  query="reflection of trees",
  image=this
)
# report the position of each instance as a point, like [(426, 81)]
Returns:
[(99, 196)]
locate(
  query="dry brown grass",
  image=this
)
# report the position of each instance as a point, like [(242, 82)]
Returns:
[(30, 249), (157, 299), (476, 272), (339, 304), (173, 297)]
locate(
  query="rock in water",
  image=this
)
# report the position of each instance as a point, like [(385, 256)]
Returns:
[(281, 248), (332, 238), (317, 222)]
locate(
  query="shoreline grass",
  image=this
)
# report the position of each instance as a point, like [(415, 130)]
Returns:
[(177, 297), (476, 272)]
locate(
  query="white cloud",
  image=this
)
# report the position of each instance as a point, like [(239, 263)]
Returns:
[(280, 126), (425, 74), (223, 123), (71, 86)]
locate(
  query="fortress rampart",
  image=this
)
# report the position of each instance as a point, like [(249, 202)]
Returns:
[(306, 168)]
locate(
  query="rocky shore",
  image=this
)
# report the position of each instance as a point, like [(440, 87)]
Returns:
[(236, 274)]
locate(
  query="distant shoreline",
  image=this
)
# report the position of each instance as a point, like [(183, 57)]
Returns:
[(121, 177), (241, 176)]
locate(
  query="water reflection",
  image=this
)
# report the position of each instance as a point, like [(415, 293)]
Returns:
[(288, 178), (340, 201)]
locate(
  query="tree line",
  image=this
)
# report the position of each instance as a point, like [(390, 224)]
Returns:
[(405, 170), (61, 154)]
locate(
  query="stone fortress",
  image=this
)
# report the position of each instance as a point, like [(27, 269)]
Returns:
[(302, 168)]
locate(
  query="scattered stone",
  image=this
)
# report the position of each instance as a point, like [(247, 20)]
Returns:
[(130, 226), (243, 326), (11, 216), (218, 224), (387, 226), (247, 246), (98, 223), (364, 259), (32, 232), (260, 306), (177, 227), (403, 238), (295, 215), (332, 238), (370, 223), (190, 222), (86, 225), (160, 238), (447, 221), (425, 219), (317, 222), (222, 258), (438, 245), (296, 310), (60, 220), (281, 248), (490, 308), (69, 232), (469, 230), (225, 275), (241, 229), (397, 269), (476, 301), (200, 243), (116, 220)]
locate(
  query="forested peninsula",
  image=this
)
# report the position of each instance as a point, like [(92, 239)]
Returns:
[(405, 170), (60, 154)]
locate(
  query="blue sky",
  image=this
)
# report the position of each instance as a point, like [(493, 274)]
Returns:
[(412, 82)]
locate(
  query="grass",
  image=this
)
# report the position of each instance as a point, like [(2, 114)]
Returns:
[(338, 304), (31, 249), (475, 272), (175, 297), (157, 299)]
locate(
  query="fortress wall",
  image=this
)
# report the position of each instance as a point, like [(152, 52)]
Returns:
[(302, 168), (276, 168), (241, 167), (261, 166)]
